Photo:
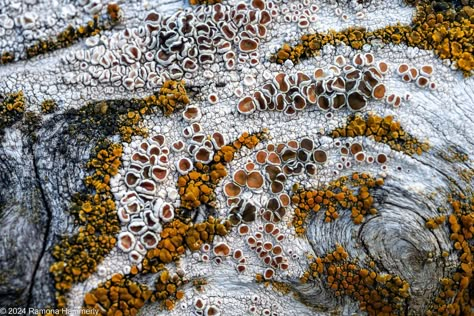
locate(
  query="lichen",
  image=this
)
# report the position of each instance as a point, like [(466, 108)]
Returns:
[(448, 33), (48, 106), (177, 237), (334, 197), (68, 36), (12, 107), (383, 130), (197, 187), (377, 293), (118, 296), (124, 117), (455, 295), (77, 256)]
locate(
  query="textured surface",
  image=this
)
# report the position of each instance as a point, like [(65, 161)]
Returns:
[(43, 156)]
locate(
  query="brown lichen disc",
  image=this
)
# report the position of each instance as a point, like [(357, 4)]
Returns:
[(356, 148), (402, 69), (255, 180), (356, 101), (426, 70), (232, 190), (323, 102), (379, 91), (221, 249), (246, 105), (191, 112), (261, 156), (284, 199), (248, 45), (360, 156), (383, 67), (240, 177), (381, 158), (339, 100), (258, 4), (268, 273), (320, 156), (422, 81)]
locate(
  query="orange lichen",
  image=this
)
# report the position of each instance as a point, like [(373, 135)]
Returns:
[(117, 296), (69, 36), (171, 96), (197, 187), (336, 196), (166, 289), (7, 57), (114, 12), (77, 256), (289, 52), (178, 236), (12, 107), (384, 130), (449, 33), (455, 296), (124, 117), (378, 294), (435, 222)]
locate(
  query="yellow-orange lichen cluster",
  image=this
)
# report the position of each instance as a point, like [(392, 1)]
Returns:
[(178, 236), (377, 293), (383, 130), (435, 222), (288, 52), (336, 195), (449, 33), (455, 297), (12, 107), (166, 289), (197, 187), (114, 12), (48, 106), (77, 256), (117, 296), (120, 295), (171, 96)]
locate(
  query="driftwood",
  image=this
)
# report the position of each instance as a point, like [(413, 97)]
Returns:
[(43, 164)]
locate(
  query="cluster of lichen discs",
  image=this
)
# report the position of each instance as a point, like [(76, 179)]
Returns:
[(383, 130), (377, 294), (335, 196), (77, 256), (197, 187), (121, 294), (178, 236), (70, 35), (448, 32)]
